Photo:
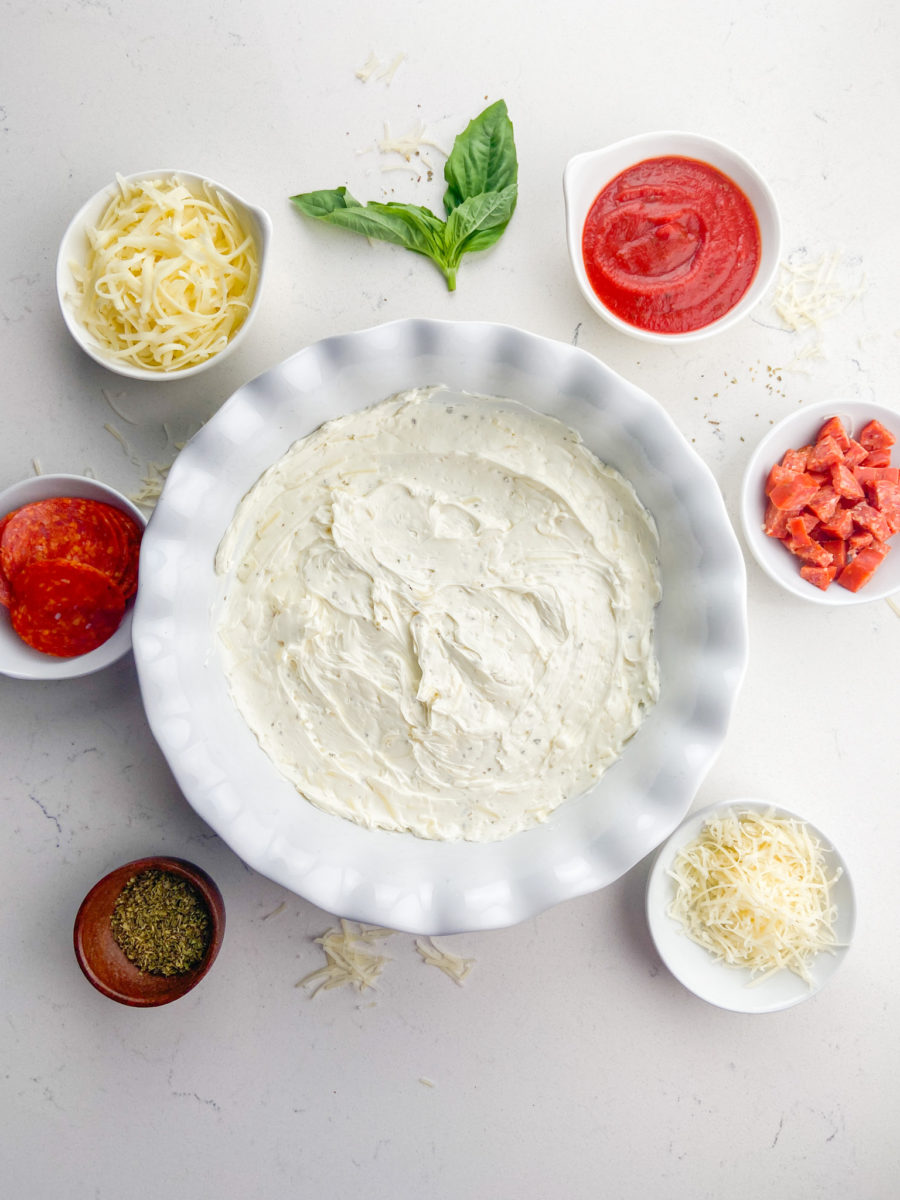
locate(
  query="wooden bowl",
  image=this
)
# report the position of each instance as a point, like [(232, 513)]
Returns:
[(103, 962)]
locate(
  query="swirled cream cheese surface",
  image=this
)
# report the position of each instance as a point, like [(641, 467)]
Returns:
[(438, 615)]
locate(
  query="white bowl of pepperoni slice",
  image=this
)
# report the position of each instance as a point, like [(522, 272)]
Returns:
[(69, 550), (820, 502)]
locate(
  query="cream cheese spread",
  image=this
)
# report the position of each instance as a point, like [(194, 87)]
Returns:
[(438, 615)]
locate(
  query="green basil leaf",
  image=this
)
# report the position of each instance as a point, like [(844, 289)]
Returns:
[(483, 158), (480, 199), (320, 204), (479, 221), (408, 225)]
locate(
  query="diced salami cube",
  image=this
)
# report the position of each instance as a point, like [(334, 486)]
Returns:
[(874, 436), (809, 551), (844, 483), (795, 460), (819, 577), (778, 474), (798, 532), (837, 548), (868, 475), (886, 495), (796, 491), (869, 518), (855, 454), (776, 519), (835, 429), (859, 541), (840, 525), (878, 458), (863, 567), (825, 453), (824, 503)]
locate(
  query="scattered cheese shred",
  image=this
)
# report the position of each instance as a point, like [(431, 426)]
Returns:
[(455, 967), (407, 145), (753, 890), (391, 70), (36, 466), (151, 485), (348, 963), (122, 440), (368, 69), (810, 292), (374, 68), (169, 277), (121, 415)]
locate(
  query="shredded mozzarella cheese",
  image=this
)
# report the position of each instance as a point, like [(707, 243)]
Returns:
[(753, 890), (122, 440), (121, 415), (151, 485), (348, 963), (453, 966), (169, 277)]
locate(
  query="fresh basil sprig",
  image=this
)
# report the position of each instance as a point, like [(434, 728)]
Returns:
[(480, 199)]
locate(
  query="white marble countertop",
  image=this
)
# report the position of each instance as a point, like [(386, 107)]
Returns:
[(571, 1063)]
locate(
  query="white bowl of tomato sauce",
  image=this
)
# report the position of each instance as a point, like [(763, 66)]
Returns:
[(672, 236)]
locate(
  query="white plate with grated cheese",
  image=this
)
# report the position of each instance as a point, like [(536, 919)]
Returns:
[(396, 879), (757, 883)]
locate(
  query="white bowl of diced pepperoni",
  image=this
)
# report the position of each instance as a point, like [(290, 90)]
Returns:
[(821, 502)]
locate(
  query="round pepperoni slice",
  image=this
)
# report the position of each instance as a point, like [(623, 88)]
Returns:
[(65, 608), (63, 527), (132, 533), (5, 590)]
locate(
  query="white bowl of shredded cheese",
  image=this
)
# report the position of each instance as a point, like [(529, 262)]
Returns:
[(160, 273), (750, 906)]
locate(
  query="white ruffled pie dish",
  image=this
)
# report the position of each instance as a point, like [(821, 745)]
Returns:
[(396, 879)]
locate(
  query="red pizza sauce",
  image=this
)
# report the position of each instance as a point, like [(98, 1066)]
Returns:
[(671, 245)]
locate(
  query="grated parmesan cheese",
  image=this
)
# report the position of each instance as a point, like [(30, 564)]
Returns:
[(348, 963), (169, 277), (809, 292), (453, 966), (753, 890), (409, 145)]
